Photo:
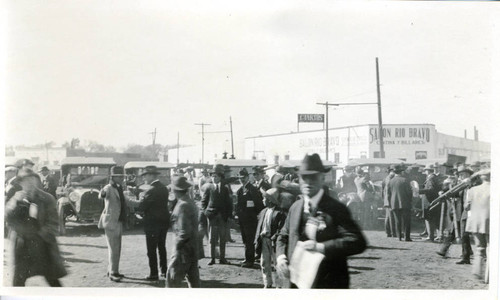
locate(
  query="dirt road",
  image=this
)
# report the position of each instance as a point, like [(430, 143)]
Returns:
[(386, 264)]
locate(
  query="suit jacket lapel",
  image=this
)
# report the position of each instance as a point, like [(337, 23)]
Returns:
[(297, 215)]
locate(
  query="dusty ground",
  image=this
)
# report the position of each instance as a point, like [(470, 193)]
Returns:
[(386, 264)]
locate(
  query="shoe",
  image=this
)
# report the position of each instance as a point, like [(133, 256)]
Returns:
[(151, 277), (224, 262), (247, 265), (408, 240), (441, 254), (463, 262), (114, 278), (211, 262), (115, 274), (231, 241), (438, 239), (428, 239), (424, 234)]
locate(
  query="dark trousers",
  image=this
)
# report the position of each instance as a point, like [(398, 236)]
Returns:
[(390, 225), (21, 281), (155, 239), (248, 226), (466, 247), (402, 221)]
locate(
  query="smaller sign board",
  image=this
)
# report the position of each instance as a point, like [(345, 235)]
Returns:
[(311, 118)]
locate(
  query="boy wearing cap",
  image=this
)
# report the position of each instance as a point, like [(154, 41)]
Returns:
[(32, 215), (184, 263), (112, 218), (270, 222)]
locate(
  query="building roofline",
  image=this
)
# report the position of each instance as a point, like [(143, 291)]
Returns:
[(343, 127)]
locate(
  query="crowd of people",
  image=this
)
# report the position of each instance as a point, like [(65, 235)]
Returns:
[(287, 215)]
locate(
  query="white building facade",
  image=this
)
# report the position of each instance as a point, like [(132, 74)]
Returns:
[(404, 141)]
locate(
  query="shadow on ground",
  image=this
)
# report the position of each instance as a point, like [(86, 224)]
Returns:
[(218, 284)]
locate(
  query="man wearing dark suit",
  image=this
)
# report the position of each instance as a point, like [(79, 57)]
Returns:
[(337, 235), (218, 207), (260, 181), (399, 193), (248, 206), (390, 227), (156, 220), (429, 193)]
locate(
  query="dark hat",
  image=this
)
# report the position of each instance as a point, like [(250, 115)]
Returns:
[(258, 170), (44, 168), (272, 195), (399, 168), (462, 169), (204, 171), (429, 167), (312, 164), (23, 174), (180, 183), (24, 162), (360, 171), (117, 171), (150, 170), (243, 172), (218, 169)]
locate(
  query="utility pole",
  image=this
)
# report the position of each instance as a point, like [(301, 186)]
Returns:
[(232, 144), (202, 140), (380, 129), (153, 135)]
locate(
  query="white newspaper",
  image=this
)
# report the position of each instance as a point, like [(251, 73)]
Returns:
[(304, 266)]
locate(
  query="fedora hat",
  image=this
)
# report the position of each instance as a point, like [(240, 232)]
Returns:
[(24, 162), (218, 169), (312, 164), (44, 168), (150, 170), (429, 167), (399, 168), (272, 195), (180, 183), (243, 172), (462, 169), (258, 170), (117, 171)]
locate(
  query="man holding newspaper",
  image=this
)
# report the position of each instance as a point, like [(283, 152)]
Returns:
[(318, 234)]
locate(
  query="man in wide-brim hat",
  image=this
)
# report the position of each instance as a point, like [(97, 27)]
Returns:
[(113, 216), (338, 236), (184, 263), (156, 219), (217, 206)]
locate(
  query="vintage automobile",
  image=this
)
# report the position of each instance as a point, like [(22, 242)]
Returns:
[(136, 186), (377, 168), (78, 194)]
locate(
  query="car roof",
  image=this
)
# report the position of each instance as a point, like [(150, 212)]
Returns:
[(296, 163), (143, 164), (240, 162), (80, 160)]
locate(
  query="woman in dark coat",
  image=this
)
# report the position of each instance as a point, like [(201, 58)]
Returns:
[(32, 216)]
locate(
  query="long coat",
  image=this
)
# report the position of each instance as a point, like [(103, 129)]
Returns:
[(399, 193), (478, 200), (249, 203), (342, 237), (34, 240), (155, 207), (214, 202), (185, 226), (112, 208)]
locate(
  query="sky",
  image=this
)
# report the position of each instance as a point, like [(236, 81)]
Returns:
[(113, 71)]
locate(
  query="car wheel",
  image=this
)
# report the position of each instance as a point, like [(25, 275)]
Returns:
[(62, 225)]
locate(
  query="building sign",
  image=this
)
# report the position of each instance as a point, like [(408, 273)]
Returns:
[(402, 135), (311, 118)]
